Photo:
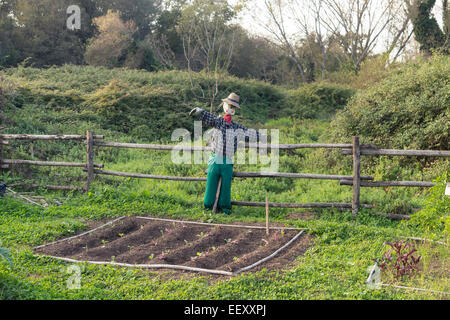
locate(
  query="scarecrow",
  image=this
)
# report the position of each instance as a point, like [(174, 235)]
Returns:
[(224, 144)]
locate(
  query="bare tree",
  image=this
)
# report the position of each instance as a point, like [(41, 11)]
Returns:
[(276, 27), (161, 48), (359, 25), (400, 32), (208, 44), (308, 17)]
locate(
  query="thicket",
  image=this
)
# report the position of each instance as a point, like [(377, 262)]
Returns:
[(143, 105), (317, 101), (409, 109), (433, 218), (146, 105)]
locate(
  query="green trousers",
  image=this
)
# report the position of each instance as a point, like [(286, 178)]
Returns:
[(216, 170)]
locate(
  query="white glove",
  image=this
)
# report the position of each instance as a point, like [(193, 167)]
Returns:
[(195, 111)]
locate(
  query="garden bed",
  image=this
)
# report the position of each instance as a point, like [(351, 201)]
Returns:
[(189, 246)]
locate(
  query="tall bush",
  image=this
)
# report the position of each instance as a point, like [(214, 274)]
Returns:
[(316, 100), (434, 218), (408, 109)]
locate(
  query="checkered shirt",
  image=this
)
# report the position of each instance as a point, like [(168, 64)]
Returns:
[(227, 135)]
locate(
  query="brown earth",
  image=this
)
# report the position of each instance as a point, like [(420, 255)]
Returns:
[(139, 241)]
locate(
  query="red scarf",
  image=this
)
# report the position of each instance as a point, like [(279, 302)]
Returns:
[(227, 118)]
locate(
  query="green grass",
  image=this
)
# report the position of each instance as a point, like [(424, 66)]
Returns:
[(335, 267), (62, 100)]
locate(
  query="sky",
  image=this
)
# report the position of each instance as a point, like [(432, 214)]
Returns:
[(246, 19)]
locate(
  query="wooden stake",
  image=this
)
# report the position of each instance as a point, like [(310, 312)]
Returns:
[(267, 215), (217, 195), (90, 158)]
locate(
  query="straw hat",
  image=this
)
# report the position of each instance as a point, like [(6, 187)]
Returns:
[(232, 99)]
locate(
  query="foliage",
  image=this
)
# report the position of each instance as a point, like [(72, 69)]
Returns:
[(408, 109), (125, 109), (434, 217), (207, 43), (205, 33), (317, 100), (426, 29), (72, 99), (399, 260), (113, 41), (36, 29), (142, 104), (40, 33), (7, 90)]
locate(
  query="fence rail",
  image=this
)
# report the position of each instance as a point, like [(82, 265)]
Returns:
[(355, 149), (407, 153), (50, 163), (389, 183), (45, 137)]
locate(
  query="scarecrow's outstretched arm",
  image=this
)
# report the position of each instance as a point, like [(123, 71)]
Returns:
[(251, 135), (248, 135), (208, 118)]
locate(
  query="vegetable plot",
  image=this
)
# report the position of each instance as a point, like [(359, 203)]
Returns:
[(190, 246)]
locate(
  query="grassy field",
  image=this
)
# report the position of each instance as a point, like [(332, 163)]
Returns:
[(335, 266)]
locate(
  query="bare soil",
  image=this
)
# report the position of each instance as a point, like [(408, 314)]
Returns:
[(139, 241)]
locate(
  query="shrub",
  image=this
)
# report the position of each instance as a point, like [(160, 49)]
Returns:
[(316, 101), (434, 217), (408, 109), (7, 90), (146, 105)]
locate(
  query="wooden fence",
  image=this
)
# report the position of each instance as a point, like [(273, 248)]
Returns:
[(355, 149)]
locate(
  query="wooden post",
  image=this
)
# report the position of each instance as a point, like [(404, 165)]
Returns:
[(216, 202), (356, 175), (267, 215), (90, 158), (1, 153), (2, 143)]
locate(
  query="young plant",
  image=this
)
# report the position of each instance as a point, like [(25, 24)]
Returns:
[(163, 255), (202, 235), (399, 260)]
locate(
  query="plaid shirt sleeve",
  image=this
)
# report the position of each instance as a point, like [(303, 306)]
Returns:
[(212, 120), (251, 135)]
